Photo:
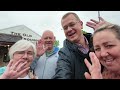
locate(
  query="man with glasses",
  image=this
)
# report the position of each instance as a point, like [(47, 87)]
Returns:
[(70, 63)]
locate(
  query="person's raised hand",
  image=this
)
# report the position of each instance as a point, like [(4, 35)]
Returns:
[(97, 24), (14, 71), (40, 48), (94, 68)]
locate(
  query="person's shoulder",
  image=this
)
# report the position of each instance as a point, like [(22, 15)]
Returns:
[(64, 52), (2, 69), (63, 49), (56, 49), (88, 35), (89, 38)]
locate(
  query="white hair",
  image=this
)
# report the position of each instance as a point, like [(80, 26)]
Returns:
[(21, 45)]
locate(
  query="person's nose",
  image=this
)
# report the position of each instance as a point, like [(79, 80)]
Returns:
[(25, 55), (48, 39), (69, 28), (104, 52)]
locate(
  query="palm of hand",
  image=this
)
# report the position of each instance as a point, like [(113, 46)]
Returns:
[(40, 48), (97, 24), (94, 68), (14, 71)]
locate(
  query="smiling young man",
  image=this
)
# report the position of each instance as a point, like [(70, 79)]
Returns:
[(47, 55), (70, 63)]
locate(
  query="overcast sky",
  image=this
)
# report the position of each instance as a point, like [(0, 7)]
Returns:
[(40, 21)]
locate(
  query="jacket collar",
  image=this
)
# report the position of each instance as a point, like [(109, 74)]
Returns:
[(74, 47), (55, 50)]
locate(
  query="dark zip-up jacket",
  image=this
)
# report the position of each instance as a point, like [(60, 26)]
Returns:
[(70, 63)]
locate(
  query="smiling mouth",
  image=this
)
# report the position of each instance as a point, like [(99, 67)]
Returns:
[(71, 33), (109, 61), (48, 43)]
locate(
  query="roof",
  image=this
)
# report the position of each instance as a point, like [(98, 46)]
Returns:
[(8, 38), (21, 27)]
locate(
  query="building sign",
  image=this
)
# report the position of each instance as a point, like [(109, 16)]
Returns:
[(25, 36)]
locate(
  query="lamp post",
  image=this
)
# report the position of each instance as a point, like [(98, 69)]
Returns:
[(99, 15)]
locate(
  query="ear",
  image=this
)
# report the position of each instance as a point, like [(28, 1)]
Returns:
[(54, 38), (81, 24)]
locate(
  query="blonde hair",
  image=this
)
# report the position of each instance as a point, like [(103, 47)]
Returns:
[(21, 45), (111, 27)]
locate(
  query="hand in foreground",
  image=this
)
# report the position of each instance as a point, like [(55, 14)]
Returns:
[(94, 69), (40, 48), (97, 24), (14, 71)]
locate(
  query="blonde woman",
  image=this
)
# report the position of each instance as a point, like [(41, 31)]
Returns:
[(106, 43)]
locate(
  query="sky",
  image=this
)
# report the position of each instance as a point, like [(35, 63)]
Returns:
[(39, 21)]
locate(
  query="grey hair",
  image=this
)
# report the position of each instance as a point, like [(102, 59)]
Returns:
[(21, 45), (111, 27)]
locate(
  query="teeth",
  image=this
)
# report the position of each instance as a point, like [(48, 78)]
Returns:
[(109, 60), (71, 33)]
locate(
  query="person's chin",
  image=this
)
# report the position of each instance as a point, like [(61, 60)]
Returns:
[(72, 39), (49, 48)]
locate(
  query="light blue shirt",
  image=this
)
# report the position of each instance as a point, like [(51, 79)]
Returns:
[(2, 70)]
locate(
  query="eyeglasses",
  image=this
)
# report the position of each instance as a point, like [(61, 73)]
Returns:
[(22, 53), (71, 25)]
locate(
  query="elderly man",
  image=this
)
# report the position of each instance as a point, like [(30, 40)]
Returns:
[(47, 55)]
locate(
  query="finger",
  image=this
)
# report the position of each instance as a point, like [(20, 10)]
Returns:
[(87, 75), (101, 19), (94, 21), (16, 64), (92, 57), (87, 64), (10, 63), (20, 66), (96, 60), (40, 44), (21, 73), (91, 24), (40, 41)]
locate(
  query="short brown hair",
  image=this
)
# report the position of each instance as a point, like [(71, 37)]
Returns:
[(72, 14)]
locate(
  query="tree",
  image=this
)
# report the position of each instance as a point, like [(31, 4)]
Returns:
[(56, 44), (84, 32)]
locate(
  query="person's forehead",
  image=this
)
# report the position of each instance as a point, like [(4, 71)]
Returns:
[(104, 36), (27, 49), (69, 17), (48, 34)]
